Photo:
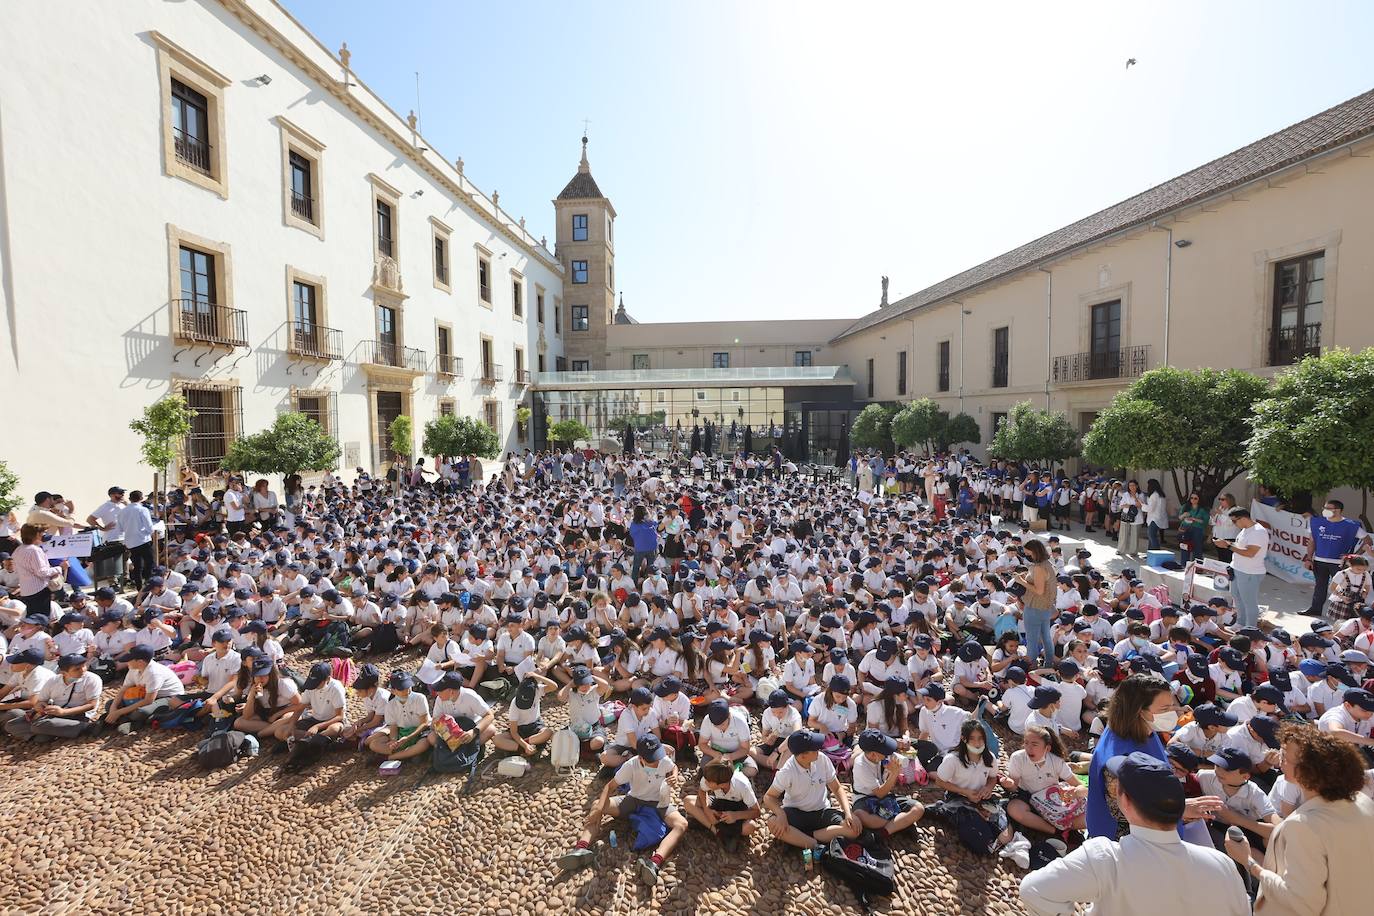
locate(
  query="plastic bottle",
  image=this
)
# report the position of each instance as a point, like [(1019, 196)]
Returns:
[(611, 838), (807, 859)]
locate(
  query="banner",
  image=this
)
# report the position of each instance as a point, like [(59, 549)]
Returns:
[(72, 545), (1289, 538)]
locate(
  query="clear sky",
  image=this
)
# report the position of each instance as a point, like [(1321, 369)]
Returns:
[(774, 159)]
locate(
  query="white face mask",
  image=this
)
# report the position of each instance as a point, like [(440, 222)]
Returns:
[(1329, 513), (1165, 721)]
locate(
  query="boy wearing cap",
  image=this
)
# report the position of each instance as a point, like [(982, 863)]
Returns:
[(725, 736), (876, 768), (64, 707), (1244, 804), (1353, 721), (466, 707), (636, 721), (1206, 734), (367, 686), (937, 725), (725, 804), (1258, 740), (798, 798), (1151, 870), (525, 728), (318, 709), (27, 678), (405, 721), (1264, 700), (148, 687), (583, 694), (644, 781)]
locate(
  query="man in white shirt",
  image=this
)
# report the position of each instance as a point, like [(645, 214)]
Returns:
[(1151, 870), (135, 524)]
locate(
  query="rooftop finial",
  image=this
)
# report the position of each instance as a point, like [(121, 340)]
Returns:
[(584, 166)]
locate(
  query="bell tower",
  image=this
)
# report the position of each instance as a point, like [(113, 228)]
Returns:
[(586, 248)]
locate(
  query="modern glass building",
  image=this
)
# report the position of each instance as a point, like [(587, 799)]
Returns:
[(801, 409)]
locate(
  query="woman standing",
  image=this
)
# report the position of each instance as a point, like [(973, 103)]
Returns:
[(1192, 528), (35, 572), (1223, 529), (1156, 511), (1039, 582), (1317, 860), (1132, 518)]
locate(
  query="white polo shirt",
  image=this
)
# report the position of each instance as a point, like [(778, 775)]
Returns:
[(1340, 717), (1248, 801), (220, 671), (56, 691), (943, 725), (468, 704), (805, 788), (724, 738), (326, 701), (647, 783), (740, 790), (408, 711)]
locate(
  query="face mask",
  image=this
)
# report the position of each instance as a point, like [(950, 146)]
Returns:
[(1165, 721), (1139, 641), (976, 749), (1328, 513)]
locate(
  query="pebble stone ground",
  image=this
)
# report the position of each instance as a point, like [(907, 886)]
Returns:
[(119, 824)]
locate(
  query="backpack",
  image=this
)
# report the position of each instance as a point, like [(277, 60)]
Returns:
[(307, 752), (183, 716), (341, 669), (335, 637), (647, 828), (219, 750), (566, 751), (865, 866)]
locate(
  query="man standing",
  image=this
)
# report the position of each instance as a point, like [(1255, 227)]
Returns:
[(1248, 550), (108, 558), (1333, 537), (1151, 870), (136, 523)]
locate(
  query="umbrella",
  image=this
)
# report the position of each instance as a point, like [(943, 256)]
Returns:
[(748, 439), (696, 439), (710, 430), (629, 439), (804, 437), (842, 449)]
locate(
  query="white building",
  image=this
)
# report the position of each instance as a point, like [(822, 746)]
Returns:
[(200, 197)]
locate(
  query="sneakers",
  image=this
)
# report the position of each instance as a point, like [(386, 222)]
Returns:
[(576, 859), (648, 872)]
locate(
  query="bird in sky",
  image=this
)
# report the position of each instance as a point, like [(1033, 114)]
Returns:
[(1129, 62)]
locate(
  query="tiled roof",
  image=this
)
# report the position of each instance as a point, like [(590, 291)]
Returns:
[(1341, 124), (582, 186)]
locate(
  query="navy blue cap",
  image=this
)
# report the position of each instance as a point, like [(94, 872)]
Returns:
[(841, 684), (368, 676), (1044, 696), (668, 686), (1357, 696), (262, 666), (640, 696), (1151, 785), (1211, 714), (1015, 674), (319, 673), (779, 699), (1231, 758), (650, 748), (71, 660), (718, 711), (873, 741), (805, 741), (933, 690), (27, 657), (401, 680), (1267, 728)]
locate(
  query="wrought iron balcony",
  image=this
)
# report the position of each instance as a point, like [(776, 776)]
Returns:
[(303, 206), (1292, 345), (191, 150), (383, 353), (492, 373), (306, 338), (522, 376), (204, 322), (449, 364), (1127, 362)]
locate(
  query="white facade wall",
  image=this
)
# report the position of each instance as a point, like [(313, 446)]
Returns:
[(87, 272)]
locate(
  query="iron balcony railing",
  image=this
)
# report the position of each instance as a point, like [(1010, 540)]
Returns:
[(1127, 362), (306, 338), (491, 372), (384, 353), (192, 150), (522, 376), (450, 365), (1291, 345), (205, 322), (384, 245), (303, 206)]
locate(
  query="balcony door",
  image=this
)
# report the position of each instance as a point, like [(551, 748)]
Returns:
[(198, 293), (389, 407), (388, 353), (1105, 355), (303, 311), (1297, 323)]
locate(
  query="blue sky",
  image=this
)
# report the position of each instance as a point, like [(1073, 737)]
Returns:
[(772, 160)]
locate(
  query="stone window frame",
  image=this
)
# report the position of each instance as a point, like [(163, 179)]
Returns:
[(175, 62), (296, 140), (441, 231)]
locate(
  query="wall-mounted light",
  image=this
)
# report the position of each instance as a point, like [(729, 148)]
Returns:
[(263, 80), (1182, 243)]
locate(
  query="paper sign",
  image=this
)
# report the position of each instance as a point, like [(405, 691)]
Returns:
[(1289, 538), (72, 545)]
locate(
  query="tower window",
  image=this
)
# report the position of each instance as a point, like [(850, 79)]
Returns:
[(579, 271), (579, 227), (580, 320)]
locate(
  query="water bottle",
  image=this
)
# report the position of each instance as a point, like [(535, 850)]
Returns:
[(612, 840), (1235, 834)]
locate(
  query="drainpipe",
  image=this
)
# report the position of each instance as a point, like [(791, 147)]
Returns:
[(1168, 284), (962, 312), (1049, 353)]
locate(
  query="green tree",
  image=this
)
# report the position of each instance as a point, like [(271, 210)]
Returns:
[(165, 424), (9, 490), (461, 436), (919, 423), (1192, 423), (566, 432), (960, 428), (873, 427), (1312, 432), (1033, 435), (402, 433), (293, 443)]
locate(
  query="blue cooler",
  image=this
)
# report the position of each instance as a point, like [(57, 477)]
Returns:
[(1157, 558)]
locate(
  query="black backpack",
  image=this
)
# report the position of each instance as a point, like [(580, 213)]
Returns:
[(219, 750), (870, 875)]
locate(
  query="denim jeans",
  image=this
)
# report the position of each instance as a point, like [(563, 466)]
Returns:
[(645, 558), (1246, 587), (1154, 536), (1038, 638)]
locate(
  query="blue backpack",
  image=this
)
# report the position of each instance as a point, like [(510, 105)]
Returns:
[(647, 828)]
